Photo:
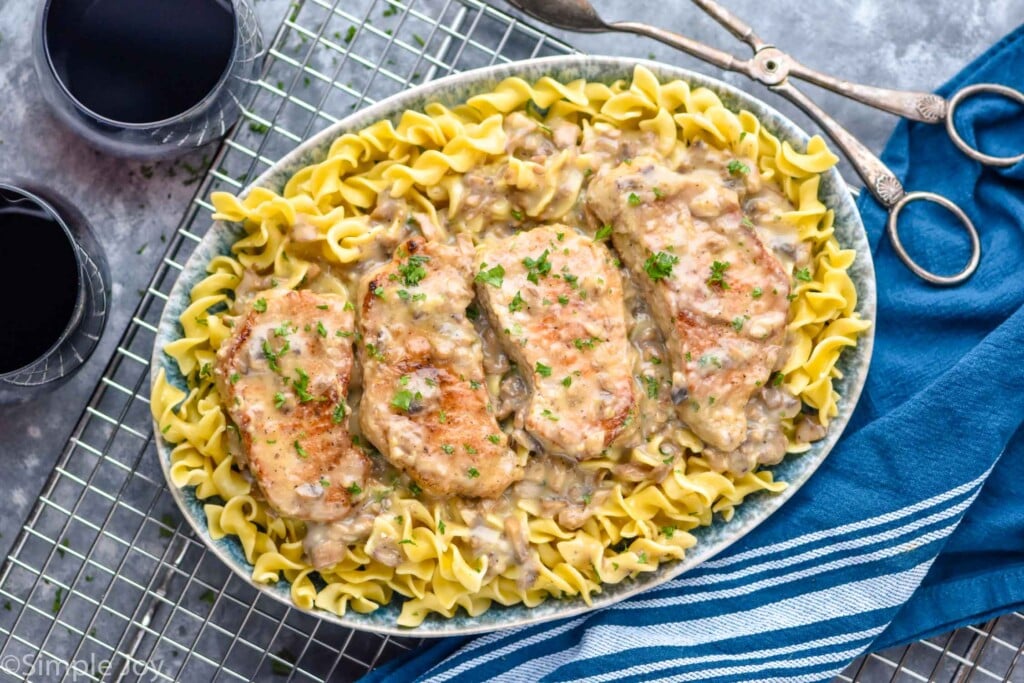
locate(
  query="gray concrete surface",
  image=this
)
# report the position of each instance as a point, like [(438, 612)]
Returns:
[(911, 43)]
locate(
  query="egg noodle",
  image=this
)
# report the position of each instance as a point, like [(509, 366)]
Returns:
[(634, 528)]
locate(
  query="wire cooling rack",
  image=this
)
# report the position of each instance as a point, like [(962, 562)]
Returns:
[(106, 581)]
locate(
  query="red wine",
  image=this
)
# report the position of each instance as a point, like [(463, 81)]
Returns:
[(40, 278), (139, 61)]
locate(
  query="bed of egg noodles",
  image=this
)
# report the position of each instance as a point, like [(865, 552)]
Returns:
[(639, 525)]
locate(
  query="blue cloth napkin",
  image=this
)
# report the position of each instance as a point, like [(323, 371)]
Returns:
[(914, 524)]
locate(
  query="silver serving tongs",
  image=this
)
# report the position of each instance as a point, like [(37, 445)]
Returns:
[(773, 67)]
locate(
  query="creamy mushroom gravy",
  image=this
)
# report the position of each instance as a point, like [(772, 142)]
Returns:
[(546, 182)]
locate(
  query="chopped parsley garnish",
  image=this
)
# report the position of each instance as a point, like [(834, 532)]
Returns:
[(403, 399), (543, 370), (563, 299), (709, 359), (472, 473), (403, 295), (323, 307), (442, 417), (567, 381), (301, 386), (354, 489), (279, 399), (717, 276), (747, 222), (777, 379), (260, 305), (517, 214), (659, 266), (581, 344), (549, 415), (234, 378), (378, 292), (339, 413), (642, 556), (299, 449), (537, 267), (412, 271), (756, 292), (374, 352), (325, 482), (406, 541), (804, 275), (469, 449), (448, 448), (272, 355), (320, 329), (474, 385), (493, 277), (440, 526), (603, 233), (415, 490), (737, 323), (652, 386), (658, 194), (516, 304), (494, 438), (633, 199), (348, 306), (737, 167)]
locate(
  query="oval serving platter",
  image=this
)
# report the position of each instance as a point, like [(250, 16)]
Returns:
[(455, 89)]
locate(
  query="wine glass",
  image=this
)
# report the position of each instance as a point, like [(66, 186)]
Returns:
[(147, 79)]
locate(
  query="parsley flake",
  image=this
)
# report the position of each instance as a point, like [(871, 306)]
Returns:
[(493, 277), (603, 233), (299, 449), (717, 276), (537, 267), (737, 167), (659, 266), (516, 304), (804, 275), (472, 473), (543, 370), (633, 199), (260, 305)]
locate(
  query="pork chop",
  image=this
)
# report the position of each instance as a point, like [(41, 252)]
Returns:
[(283, 376), (559, 312), (425, 405), (717, 294)]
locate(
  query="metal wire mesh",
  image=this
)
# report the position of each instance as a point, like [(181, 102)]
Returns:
[(106, 580)]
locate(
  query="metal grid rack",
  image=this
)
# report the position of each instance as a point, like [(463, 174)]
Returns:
[(106, 580)]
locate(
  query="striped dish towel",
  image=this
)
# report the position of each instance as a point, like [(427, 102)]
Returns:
[(914, 524)]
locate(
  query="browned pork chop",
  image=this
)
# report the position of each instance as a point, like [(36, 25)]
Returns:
[(558, 309), (284, 377), (717, 294), (425, 404)]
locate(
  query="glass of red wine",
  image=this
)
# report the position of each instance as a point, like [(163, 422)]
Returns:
[(58, 288), (147, 78)]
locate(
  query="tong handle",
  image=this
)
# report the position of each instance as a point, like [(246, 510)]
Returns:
[(732, 23), (910, 104)]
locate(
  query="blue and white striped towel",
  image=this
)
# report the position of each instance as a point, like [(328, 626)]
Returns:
[(915, 523)]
